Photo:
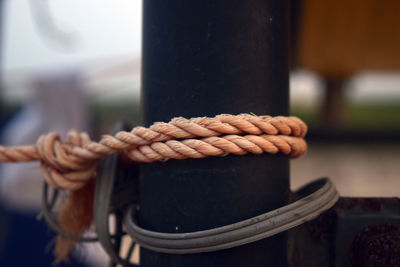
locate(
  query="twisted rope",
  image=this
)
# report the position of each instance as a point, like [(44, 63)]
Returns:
[(70, 164)]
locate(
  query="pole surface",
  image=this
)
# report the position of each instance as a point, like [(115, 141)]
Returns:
[(203, 58)]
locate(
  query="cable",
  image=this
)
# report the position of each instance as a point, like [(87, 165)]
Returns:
[(236, 234)]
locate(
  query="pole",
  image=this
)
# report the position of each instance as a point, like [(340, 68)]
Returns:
[(203, 58), (2, 41)]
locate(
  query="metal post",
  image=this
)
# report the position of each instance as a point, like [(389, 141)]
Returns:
[(203, 58), (2, 41)]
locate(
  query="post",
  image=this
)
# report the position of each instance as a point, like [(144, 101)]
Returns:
[(203, 58), (2, 37)]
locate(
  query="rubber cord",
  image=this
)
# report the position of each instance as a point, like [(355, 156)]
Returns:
[(239, 233)]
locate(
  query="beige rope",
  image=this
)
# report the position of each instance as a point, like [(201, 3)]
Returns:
[(72, 163)]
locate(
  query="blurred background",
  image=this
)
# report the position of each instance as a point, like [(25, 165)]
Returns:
[(66, 64)]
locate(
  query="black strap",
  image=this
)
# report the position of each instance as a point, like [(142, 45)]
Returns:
[(116, 188), (321, 195)]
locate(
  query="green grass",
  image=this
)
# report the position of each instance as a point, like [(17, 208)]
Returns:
[(372, 116), (368, 116)]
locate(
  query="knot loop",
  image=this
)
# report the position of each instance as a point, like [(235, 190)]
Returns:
[(60, 168)]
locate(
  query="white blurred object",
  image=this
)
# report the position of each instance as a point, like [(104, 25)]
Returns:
[(110, 79), (92, 254), (375, 87), (57, 104), (105, 29), (305, 88)]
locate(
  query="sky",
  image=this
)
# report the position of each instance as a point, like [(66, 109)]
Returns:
[(93, 29), (110, 30)]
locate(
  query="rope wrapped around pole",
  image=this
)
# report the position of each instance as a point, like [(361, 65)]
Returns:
[(72, 163)]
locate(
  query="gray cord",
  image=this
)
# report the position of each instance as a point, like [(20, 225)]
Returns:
[(236, 234)]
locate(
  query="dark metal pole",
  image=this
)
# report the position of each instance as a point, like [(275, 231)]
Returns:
[(2, 41), (203, 58)]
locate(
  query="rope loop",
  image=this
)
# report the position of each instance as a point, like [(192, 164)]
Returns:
[(60, 168)]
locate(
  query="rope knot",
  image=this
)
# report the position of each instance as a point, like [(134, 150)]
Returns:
[(61, 168)]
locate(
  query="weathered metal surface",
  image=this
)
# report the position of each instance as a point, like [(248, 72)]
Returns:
[(377, 244), (355, 232), (367, 233)]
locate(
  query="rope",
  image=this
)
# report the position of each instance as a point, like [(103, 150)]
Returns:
[(70, 164)]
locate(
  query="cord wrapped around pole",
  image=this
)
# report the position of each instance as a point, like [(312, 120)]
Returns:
[(72, 163)]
